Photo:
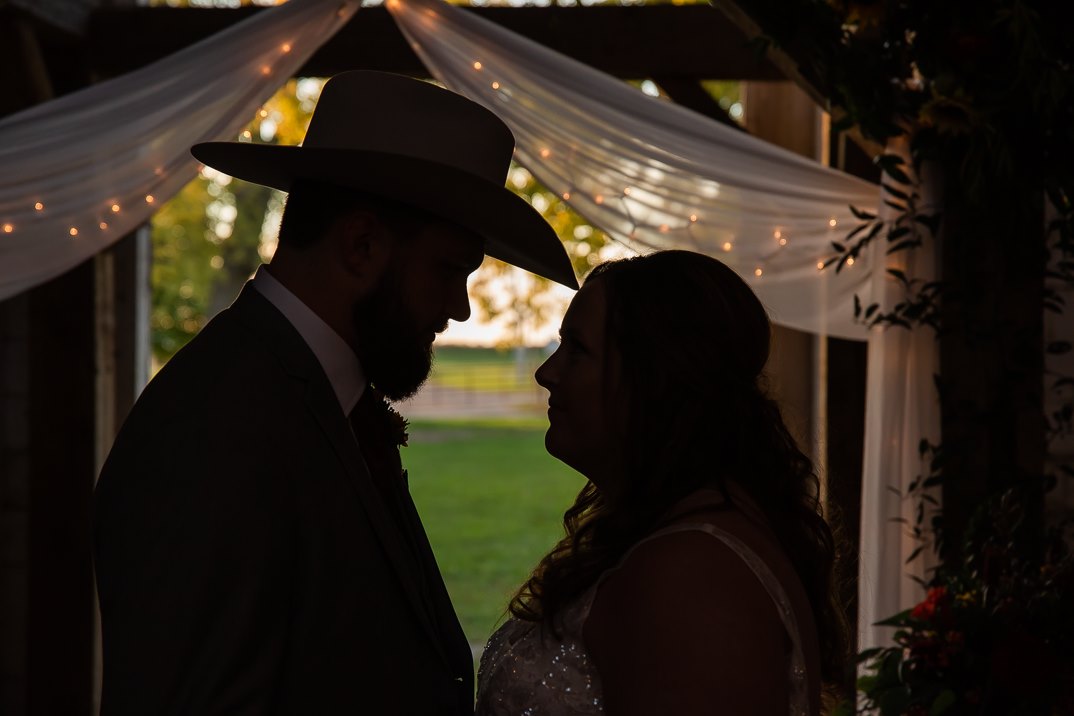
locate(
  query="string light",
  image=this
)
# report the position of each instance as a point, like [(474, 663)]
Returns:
[(598, 199), (850, 261), (545, 153), (495, 85), (73, 231), (103, 226), (149, 199), (266, 70), (757, 272), (477, 65), (39, 206), (664, 228), (286, 47), (263, 113), (159, 171), (783, 241), (8, 228), (693, 218), (727, 246), (832, 222), (626, 191), (246, 134), (566, 196), (115, 208), (777, 233), (820, 265)]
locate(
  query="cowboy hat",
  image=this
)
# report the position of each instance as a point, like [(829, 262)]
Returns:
[(415, 143)]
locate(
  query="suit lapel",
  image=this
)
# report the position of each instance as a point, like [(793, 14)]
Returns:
[(299, 361), (448, 621)]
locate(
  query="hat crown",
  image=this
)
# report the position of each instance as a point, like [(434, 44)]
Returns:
[(395, 114)]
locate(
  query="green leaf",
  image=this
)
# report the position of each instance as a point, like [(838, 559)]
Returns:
[(866, 654), (857, 230), (894, 702), (889, 164), (845, 707), (897, 193), (898, 233), (861, 214), (903, 245), (944, 701), (894, 620), (929, 221)]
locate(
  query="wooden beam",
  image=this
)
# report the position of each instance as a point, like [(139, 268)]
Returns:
[(693, 41), (737, 13)]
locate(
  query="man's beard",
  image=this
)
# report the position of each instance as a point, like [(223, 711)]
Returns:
[(395, 353)]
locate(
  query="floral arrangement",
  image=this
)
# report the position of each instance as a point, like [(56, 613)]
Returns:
[(995, 633)]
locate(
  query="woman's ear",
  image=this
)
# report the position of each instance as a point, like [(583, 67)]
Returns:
[(363, 246)]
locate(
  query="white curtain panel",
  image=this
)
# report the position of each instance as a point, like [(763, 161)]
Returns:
[(655, 175), (902, 408), (81, 171), (658, 176)]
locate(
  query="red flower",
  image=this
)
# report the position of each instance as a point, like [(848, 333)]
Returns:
[(935, 601)]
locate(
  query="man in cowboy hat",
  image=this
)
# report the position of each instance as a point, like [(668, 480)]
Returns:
[(275, 563)]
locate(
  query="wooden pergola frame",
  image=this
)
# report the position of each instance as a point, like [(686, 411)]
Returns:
[(91, 310)]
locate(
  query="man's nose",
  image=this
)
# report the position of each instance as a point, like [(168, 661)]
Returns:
[(459, 307)]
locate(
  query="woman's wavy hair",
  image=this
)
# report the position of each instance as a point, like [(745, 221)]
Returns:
[(693, 340)]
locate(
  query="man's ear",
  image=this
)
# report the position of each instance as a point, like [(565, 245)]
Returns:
[(363, 245)]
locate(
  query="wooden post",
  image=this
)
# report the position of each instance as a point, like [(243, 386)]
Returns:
[(72, 358)]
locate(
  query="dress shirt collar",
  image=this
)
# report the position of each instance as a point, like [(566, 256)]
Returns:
[(338, 360)]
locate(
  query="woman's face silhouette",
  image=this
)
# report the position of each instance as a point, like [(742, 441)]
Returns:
[(580, 376)]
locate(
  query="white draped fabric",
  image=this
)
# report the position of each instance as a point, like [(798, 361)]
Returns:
[(902, 408), (655, 175), (99, 161), (81, 171)]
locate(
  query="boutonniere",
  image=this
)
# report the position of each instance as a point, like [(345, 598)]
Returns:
[(394, 425)]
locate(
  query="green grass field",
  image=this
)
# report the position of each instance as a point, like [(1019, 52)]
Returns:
[(492, 501), (485, 368)]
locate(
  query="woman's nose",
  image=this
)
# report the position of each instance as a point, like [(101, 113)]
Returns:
[(545, 374)]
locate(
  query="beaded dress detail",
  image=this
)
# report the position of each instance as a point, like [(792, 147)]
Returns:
[(526, 671)]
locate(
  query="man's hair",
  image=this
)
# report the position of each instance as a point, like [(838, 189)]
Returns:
[(313, 207)]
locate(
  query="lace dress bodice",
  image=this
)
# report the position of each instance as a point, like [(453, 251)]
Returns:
[(526, 671)]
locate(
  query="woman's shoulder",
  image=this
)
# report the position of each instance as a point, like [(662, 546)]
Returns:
[(684, 571)]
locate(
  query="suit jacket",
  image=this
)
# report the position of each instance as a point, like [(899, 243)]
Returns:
[(246, 563)]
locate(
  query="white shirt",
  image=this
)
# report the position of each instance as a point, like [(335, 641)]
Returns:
[(337, 358)]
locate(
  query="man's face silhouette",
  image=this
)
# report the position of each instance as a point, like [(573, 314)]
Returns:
[(423, 286)]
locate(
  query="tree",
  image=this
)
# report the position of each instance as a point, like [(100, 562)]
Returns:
[(984, 92)]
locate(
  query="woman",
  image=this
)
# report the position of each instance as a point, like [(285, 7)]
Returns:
[(696, 576)]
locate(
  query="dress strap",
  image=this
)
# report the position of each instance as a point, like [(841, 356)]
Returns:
[(799, 691)]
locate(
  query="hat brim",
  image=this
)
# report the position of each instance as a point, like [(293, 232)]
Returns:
[(512, 229)]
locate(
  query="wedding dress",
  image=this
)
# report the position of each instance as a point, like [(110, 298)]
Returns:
[(526, 671)]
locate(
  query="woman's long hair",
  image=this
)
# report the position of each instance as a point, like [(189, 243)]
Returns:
[(692, 339)]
